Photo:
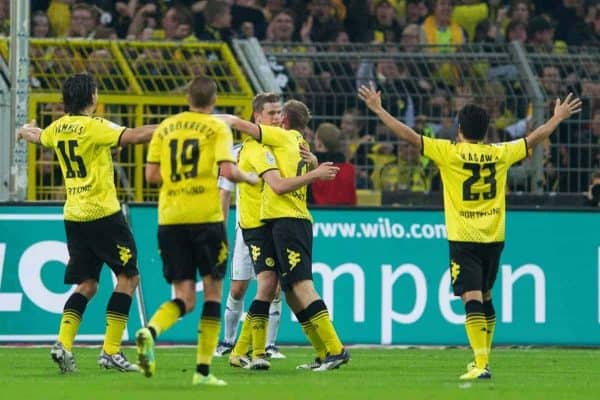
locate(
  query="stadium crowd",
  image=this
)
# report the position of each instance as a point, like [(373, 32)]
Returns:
[(429, 102)]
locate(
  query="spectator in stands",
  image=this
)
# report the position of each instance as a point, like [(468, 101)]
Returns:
[(357, 146), (84, 21), (416, 11), (281, 28), (323, 23), (587, 31), (49, 179), (272, 8), (541, 36), (59, 14), (516, 31), (520, 11), (566, 14), (329, 147), (595, 139), (469, 14), (438, 28), (40, 25), (248, 16), (384, 26), (218, 22), (414, 172)]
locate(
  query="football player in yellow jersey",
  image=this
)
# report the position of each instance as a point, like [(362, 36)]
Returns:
[(289, 228), (96, 229), (185, 156), (266, 110), (474, 177), (259, 158)]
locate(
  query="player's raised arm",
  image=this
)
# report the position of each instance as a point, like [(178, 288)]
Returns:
[(141, 134), (372, 99), (241, 125), (325, 172), (562, 111)]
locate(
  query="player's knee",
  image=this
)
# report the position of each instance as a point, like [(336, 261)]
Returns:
[(190, 304), (237, 290), (88, 288)]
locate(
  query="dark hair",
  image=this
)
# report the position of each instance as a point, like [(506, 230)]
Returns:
[(297, 114), (78, 90), (214, 9), (259, 101), (512, 26), (202, 92), (473, 122)]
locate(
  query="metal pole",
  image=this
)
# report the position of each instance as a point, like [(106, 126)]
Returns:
[(19, 78), (538, 101)]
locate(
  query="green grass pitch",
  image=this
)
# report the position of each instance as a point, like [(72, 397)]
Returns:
[(28, 374)]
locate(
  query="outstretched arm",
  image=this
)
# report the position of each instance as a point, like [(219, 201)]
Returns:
[(326, 172), (562, 111), (241, 125), (30, 132), (372, 99), (141, 134)]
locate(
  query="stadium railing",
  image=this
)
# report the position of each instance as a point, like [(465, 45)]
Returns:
[(138, 83), (425, 86)]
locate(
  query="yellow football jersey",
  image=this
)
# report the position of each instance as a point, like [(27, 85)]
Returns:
[(474, 180), (82, 145), (188, 146), (285, 145), (257, 158)]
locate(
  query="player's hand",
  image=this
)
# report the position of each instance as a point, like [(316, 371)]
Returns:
[(326, 171), (308, 156), (28, 131), (371, 96), (568, 107)]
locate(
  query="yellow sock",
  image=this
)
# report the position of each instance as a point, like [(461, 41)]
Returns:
[(314, 339), (117, 313), (326, 332), (490, 320), (208, 332), (243, 343), (259, 312), (476, 327), (259, 335), (71, 318), (166, 316), (69, 325)]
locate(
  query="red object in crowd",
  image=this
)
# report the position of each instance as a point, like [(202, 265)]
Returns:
[(340, 191)]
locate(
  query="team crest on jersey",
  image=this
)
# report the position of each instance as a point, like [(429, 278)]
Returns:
[(270, 158), (270, 262)]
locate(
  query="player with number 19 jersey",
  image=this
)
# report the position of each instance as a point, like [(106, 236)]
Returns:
[(194, 143)]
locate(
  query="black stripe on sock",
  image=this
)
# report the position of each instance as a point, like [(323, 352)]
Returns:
[(488, 309), (314, 308), (181, 305), (76, 303), (474, 307), (302, 317), (211, 309), (119, 303), (259, 308)]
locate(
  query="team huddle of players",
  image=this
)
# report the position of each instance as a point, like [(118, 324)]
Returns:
[(190, 156)]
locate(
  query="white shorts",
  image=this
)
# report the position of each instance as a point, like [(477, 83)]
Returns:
[(242, 268)]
